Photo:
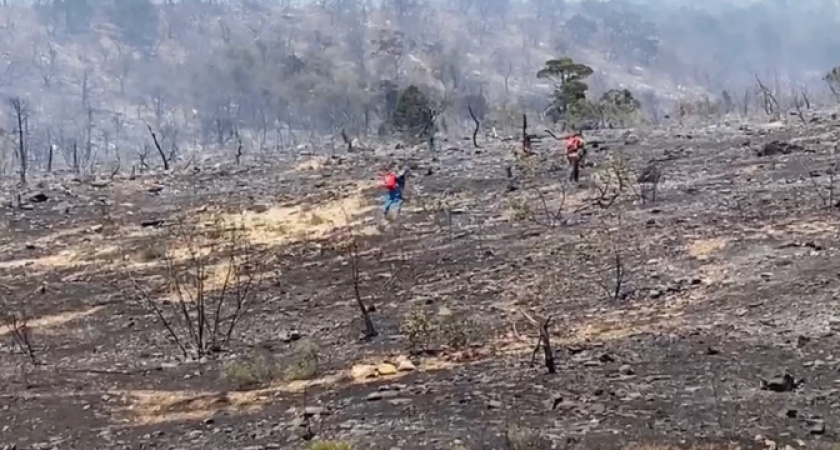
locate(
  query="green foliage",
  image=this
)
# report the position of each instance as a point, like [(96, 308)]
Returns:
[(423, 330), (519, 438), (329, 445), (304, 364), (250, 371), (569, 96), (413, 115)]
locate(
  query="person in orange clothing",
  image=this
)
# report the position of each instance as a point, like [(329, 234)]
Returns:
[(574, 153)]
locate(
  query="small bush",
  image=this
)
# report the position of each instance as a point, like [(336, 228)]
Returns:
[(418, 327), (422, 330), (304, 364), (518, 438), (250, 371), (329, 445)]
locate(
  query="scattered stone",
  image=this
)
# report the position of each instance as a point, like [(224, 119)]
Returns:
[(817, 427), (406, 366), (315, 411), (260, 208), (151, 223), (785, 383), (386, 369), (379, 395), (778, 148), (494, 404), (626, 370), (400, 402), (362, 371), (290, 336), (40, 197)]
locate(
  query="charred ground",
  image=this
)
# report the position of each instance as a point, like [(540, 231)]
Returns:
[(730, 281)]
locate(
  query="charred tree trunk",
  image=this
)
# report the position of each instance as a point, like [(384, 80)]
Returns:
[(162, 154), (526, 138), (50, 152), (477, 126), (20, 115), (347, 141)]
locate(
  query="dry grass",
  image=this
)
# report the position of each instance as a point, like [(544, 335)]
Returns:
[(44, 325), (692, 447), (707, 247), (280, 225)]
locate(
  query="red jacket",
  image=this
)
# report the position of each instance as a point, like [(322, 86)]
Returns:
[(389, 181), (573, 144)]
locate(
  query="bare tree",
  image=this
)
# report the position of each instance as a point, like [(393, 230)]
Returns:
[(477, 126), (21, 112), (212, 288), (163, 157)]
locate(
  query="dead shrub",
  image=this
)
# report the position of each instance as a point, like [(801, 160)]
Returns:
[(151, 250), (209, 285)]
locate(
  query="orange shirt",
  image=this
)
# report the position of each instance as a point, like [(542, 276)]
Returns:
[(573, 144)]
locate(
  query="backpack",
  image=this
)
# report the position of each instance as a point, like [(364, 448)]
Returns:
[(390, 182)]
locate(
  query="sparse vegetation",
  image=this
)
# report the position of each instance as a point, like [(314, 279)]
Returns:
[(329, 445), (423, 330), (214, 163), (212, 275), (251, 371), (305, 361)]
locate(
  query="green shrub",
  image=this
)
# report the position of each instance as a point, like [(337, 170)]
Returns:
[(304, 362), (251, 371), (329, 445)]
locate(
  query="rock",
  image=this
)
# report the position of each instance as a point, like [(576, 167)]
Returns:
[(151, 223), (817, 427), (260, 208), (778, 148), (362, 372), (155, 189), (40, 197), (386, 369), (406, 366), (788, 413), (315, 411), (494, 404), (626, 370), (784, 383), (711, 351), (379, 395), (290, 336), (400, 402)]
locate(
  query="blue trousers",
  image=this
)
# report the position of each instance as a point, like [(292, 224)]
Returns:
[(393, 198)]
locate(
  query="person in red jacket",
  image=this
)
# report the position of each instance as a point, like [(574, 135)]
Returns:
[(394, 183), (574, 154)]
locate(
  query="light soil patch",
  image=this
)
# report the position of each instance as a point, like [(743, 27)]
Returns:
[(280, 225), (602, 327), (703, 248), (144, 407), (45, 324)]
